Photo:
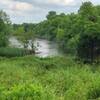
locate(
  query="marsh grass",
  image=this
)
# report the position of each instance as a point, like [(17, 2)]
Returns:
[(13, 52)]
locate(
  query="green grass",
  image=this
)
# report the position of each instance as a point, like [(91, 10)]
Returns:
[(13, 52), (57, 78)]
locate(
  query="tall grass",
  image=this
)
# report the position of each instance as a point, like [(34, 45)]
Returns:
[(57, 78), (13, 52)]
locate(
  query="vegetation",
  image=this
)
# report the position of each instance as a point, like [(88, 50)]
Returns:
[(57, 78), (75, 33), (13, 52), (35, 78), (4, 29), (25, 34)]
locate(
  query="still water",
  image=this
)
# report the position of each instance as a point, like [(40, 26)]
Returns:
[(44, 48)]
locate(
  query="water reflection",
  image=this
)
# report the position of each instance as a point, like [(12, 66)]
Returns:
[(44, 47)]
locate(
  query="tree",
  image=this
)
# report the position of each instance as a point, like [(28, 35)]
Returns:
[(4, 29), (89, 42), (51, 15), (88, 11), (25, 34), (31, 41), (88, 47), (3, 37), (5, 17)]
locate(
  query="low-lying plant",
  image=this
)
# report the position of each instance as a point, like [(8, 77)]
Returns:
[(25, 92)]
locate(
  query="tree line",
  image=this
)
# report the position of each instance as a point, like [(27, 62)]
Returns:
[(76, 33)]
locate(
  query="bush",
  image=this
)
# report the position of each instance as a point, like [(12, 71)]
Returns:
[(13, 52)]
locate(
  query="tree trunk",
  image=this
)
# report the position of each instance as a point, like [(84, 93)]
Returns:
[(92, 51)]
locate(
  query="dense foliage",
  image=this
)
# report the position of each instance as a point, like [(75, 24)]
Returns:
[(75, 33)]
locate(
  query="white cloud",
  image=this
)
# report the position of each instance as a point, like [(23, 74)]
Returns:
[(32, 9), (5, 2), (62, 2), (36, 10), (16, 5), (20, 6)]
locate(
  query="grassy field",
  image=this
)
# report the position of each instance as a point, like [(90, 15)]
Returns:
[(57, 78)]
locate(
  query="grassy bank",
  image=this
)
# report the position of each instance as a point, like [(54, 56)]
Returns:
[(14, 52), (58, 78)]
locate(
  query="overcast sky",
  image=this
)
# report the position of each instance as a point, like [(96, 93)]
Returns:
[(35, 10)]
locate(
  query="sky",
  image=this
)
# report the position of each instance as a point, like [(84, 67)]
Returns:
[(34, 11)]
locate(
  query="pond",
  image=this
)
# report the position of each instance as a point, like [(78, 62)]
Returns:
[(44, 48)]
